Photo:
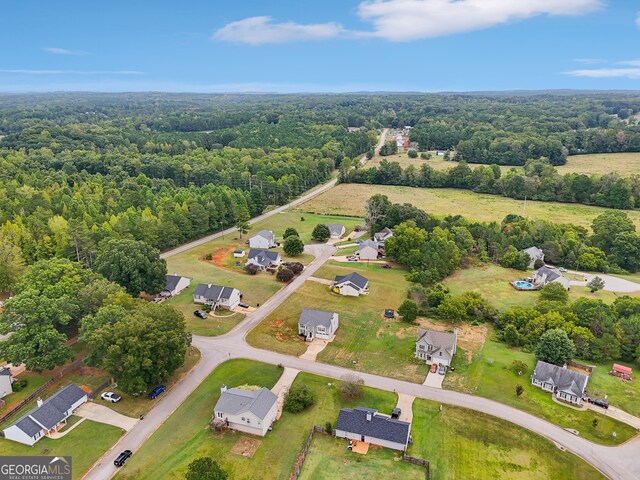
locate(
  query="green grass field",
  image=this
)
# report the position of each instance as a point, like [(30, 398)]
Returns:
[(461, 443), (625, 164), (443, 201), (624, 395), (364, 341), (86, 444)]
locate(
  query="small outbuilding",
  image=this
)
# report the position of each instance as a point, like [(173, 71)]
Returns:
[(238, 253), (621, 371)]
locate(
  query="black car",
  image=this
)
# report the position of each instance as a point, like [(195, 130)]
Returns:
[(156, 392), (598, 402), (243, 305), (122, 458), (200, 314), (396, 413)]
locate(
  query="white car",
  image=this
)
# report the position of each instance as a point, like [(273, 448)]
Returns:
[(110, 397)]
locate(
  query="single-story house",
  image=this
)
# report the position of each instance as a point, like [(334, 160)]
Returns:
[(547, 274), (336, 230), (175, 285), (263, 258), (567, 384), (249, 411), (238, 253), (5, 382), (217, 296), (436, 347), (317, 324), (263, 239), (368, 250), (47, 417), (383, 235), (351, 285), (367, 425), (534, 253)]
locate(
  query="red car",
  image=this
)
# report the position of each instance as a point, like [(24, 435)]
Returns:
[(434, 368)]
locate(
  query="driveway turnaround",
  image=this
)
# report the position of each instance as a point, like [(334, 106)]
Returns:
[(611, 283)]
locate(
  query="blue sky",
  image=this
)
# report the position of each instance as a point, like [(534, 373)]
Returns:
[(319, 46)]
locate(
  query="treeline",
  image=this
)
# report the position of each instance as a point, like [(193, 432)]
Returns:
[(539, 181)]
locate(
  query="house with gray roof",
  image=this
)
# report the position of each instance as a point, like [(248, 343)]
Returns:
[(566, 384), (351, 285), (49, 416), (383, 235), (175, 285), (367, 425), (249, 411), (317, 324), (336, 230), (547, 274), (436, 347), (263, 259), (534, 253), (263, 239), (368, 250), (217, 296), (5, 382)]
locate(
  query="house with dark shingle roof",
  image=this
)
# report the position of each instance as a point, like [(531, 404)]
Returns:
[(263, 239), (547, 274), (367, 425), (351, 285), (263, 259), (217, 296), (568, 385), (175, 285), (383, 235), (317, 324), (249, 411), (436, 347), (5, 382), (534, 253), (49, 416)]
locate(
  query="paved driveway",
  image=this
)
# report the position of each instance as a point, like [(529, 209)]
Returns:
[(434, 380), (611, 283), (405, 403), (103, 414)]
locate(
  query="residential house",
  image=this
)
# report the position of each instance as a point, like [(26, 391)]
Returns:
[(217, 296), (367, 425), (383, 235), (264, 259), (547, 274), (249, 411), (534, 253), (567, 384), (263, 239), (436, 347), (5, 382), (368, 250), (336, 230), (317, 324), (49, 416), (175, 285), (351, 285)]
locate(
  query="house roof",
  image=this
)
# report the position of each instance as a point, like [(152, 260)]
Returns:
[(235, 401), (380, 426), (263, 257), (268, 234), (563, 378), (213, 292), (551, 273), (354, 278), (312, 318), (368, 244), (5, 371), (172, 282), (335, 228), (383, 234), (534, 253), (52, 411), (618, 368), (440, 341)]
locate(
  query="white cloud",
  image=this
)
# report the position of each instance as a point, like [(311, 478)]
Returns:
[(27, 71), (630, 63), (63, 51), (633, 73), (261, 30), (638, 19)]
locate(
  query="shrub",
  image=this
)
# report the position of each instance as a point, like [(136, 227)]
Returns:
[(408, 310), (328, 428), (205, 468), (298, 399), (285, 275), (518, 367), (251, 269), (208, 256), (554, 292), (412, 154), (19, 385), (351, 387), (519, 390), (538, 264), (320, 233), (293, 246), (289, 232), (296, 267), (595, 284)]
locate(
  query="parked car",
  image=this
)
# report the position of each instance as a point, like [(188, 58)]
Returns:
[(598, 402), (359, 241), (442, 369), (243, 305), (396, 413), (157, 300), (434, 368), (110, 397), (200, 314), (122, 458), (352, 259), (386, 265), (156, 392)]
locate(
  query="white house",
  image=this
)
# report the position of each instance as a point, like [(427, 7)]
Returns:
[(217, 296), (367, 425), (534, 253), (263, 258), (249, 411), (546, 274), (568, 385), (336, 230), (47, 417), (351, 285), (317, 324), (263, 239), (175, 285), (368, 250), (436, 347), (5, 382), (383, 235)]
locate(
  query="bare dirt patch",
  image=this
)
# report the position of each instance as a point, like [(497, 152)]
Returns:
[(220, 254), (470, 338), (277, 324), (246, 446)]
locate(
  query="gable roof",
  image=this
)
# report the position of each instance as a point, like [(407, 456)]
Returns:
[(551, 273), (440, 341), (235, 401), (52, 411), (214, 292), (312, 318), (263, 257), (268, 234), (563, 378), (383, 234), (335, 228), (5, 371), (534, 253), (369, 244), (380, 426), (354, 278), (172, 282)]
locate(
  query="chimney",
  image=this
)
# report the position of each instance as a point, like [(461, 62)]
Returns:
[(39, 402), (209, 285), (223, 388), (368, 416)]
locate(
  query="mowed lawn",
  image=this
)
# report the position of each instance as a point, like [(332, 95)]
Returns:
[(185, 436), (625, 164), (448, 201), (463, 444), (365, 340), (489, 375), (86, 444), (624, 395)]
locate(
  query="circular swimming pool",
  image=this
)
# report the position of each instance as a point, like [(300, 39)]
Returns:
[(524, 285)]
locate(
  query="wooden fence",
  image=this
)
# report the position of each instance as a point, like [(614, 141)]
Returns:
[(588, 368), (419, 461), (297, 467)]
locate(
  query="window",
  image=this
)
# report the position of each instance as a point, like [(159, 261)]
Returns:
[(219, 414), (421, 347), (243, 419), (248, 420)]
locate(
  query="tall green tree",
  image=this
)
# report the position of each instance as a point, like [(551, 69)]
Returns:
[(293, 246), (320, 233), (11, 265), (555, 347), (205, 468)]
